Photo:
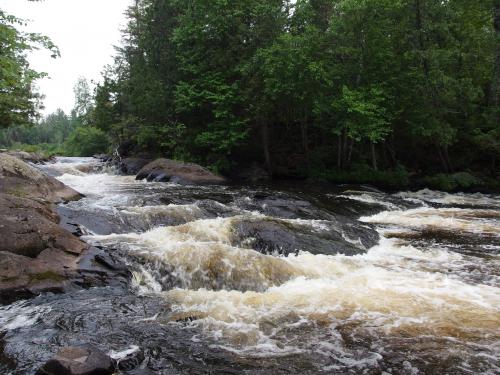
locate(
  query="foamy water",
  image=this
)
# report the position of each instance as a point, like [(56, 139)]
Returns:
[(265, 305)]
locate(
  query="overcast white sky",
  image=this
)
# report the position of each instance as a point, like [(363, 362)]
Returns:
[(85, 32)]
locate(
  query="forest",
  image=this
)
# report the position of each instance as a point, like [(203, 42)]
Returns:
[(386, 92)]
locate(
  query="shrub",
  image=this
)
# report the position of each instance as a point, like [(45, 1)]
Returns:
[(86, 141), (466, 180), (363, 174), (452, 182)]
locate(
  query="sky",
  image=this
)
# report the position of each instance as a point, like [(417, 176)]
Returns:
[(85, 32)]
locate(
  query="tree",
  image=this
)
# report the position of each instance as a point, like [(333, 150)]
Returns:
[(19, 101), (84, 101), (308, 85), (86, 141)]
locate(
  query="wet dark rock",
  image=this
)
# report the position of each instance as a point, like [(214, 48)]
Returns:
[(132, 362), (78, 360), (163, 177), (131, 166), (165, 170), (103, 157), (277, 236), (121, 221), (114, 319), (97, 222), (282, 206), (342, 234)]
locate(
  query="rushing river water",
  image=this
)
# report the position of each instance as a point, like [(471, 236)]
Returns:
[(289, 279)]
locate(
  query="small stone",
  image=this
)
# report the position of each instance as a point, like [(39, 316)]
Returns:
[(78, 360)]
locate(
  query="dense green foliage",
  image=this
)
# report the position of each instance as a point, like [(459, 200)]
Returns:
[(20, 127), (19, 102), (86, 141), (56, 134), (381, 91), (308, 86), (60, 134)]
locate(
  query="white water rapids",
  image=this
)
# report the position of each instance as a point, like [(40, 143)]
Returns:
[(429, 289)]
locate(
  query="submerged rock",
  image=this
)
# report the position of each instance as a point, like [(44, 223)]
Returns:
[(78, 360), (269, 235), (179, 172)]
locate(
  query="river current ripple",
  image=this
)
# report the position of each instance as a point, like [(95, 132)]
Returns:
[(282, 279)]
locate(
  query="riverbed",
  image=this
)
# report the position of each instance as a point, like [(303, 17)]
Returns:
[(275, 279)]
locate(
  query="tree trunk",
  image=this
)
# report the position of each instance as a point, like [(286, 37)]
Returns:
[(345, 148), (442, 159), (495, 83), (349, 155), (391, 153), (265, 147), (493, 166), (447, 160), (374, 156), (420, 36), (339, 151), (305, 139)]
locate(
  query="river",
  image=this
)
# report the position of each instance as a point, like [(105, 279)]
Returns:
[(282, 279)]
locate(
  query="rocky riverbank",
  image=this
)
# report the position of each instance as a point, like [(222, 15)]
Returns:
[(36, 253)]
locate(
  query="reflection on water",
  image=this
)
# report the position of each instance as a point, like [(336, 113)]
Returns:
[(263, 274)]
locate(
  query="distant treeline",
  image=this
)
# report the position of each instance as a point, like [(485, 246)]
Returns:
[(56, 134), (59, 133)]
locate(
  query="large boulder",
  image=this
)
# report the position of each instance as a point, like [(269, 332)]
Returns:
[(28, 227), (272, 235), (20, 179), (23, 277), (37, 254), (178, 172)]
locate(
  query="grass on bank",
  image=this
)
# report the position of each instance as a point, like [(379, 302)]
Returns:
[(400, 179)]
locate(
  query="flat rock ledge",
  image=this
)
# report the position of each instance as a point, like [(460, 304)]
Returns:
[(36, 254), (166, 170), (31, 157)]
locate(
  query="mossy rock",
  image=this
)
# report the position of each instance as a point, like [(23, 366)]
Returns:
[(46, 276)]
